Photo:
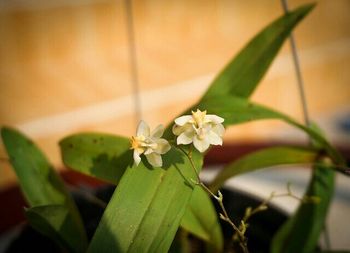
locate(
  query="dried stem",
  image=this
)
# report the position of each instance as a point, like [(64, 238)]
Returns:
[(219, 198)]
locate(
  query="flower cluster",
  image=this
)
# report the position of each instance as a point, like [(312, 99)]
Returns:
[(200, 128)]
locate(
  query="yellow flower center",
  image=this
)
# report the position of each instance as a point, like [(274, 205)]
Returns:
[(136, 142), (198, 117)]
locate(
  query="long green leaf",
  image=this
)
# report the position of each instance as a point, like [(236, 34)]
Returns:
[(241, 76), (243, 73), (301, 232), (262, 159), (39, 182), (107, 156), (201, 220), (103, 156), (56, 222), (237, 110), (145, 211)]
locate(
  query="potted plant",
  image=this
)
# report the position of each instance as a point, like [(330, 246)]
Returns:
[(159, 193)]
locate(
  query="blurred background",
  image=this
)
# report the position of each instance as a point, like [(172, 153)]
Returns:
[(65, 67)]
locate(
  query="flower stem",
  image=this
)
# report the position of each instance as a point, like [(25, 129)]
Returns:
[(219, 198)]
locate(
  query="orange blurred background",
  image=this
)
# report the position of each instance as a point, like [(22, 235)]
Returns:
[(65, 67)]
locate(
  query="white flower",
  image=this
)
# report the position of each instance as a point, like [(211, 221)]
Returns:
[(150, 144), (200, 128)]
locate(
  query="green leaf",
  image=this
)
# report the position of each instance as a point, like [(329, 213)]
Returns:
[(145, 211), (102, 156), (237, 110), (262, 159), (106, 157), (39, 182), (56, 222), (241, 76), (201, 219), (243, 73), (302, 231)]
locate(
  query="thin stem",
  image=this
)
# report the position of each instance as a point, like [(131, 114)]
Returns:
[(219, 198), (263, 206), (133, 59), (297, 68)]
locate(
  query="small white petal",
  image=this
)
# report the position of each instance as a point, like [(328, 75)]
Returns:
[(143, 129), (200, 145), (185, 138), (177, 130), (163, 146), (213, 138), (183, 120), (157, 132), (137, 158), (155, 159), (218, 129), (148, 151), (213, 118)]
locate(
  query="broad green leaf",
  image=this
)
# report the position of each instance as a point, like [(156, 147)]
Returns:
[(145, 211), (262, 159), (243, 73), (237, 110), (56, 222), (38, 180), (201, 219), (102, 156), (106, 157), (302, 231)]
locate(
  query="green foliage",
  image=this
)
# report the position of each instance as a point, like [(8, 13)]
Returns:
[(56, 222), (263, 159), (149, 203), (39, 182), (243, 73), (201, 219), (145, 211), (106, 157), (102, 156), (237, 110), (301, 232)]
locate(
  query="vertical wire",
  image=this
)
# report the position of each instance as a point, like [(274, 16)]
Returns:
[(133, 60), (300, 83), (298, 74)]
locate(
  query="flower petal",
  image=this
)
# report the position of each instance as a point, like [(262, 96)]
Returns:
[(154, 159), (143, 129), (213, 118), (218, 129), (185, 138), (183, 120), (201, 145), (157, 132), (177, 130), (148, 151), (163, 146), (137, 158), (213, 138)]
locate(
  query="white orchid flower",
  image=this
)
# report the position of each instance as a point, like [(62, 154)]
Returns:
[(150, 144), (200, 128)]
